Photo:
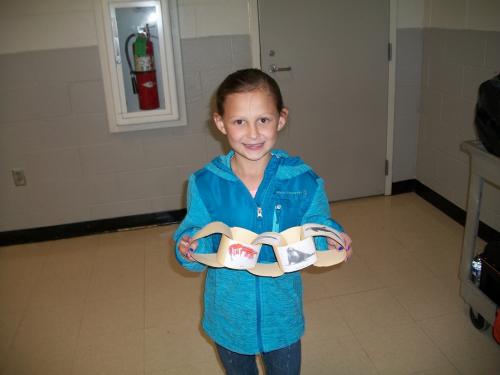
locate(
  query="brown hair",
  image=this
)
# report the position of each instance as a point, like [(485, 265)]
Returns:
[(246, 80)]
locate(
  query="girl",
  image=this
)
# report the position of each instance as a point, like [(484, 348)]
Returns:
[(260, 189)]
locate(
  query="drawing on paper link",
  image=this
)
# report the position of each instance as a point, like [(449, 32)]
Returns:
[(274, 238), (321, 229), (296, 256), (238, 250)]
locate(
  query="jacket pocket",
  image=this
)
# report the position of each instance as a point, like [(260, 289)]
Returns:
[(277, 217), (289, 208)]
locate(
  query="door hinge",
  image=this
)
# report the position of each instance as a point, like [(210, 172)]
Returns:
[(389, 52), (386, 167)]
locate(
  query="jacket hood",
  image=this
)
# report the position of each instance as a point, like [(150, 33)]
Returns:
[(289, 166)]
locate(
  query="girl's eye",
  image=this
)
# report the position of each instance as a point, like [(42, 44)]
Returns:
[(239, 122), (264, 120)]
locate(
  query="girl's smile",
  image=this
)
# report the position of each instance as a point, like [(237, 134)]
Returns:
[(254, 147)]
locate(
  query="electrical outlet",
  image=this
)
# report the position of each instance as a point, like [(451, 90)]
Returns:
[(19, 177)]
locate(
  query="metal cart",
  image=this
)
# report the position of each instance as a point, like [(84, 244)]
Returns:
[(484, 167)]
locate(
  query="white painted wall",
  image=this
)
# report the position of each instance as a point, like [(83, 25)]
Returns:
[(410, 13), (31, 25), (199, 18), (463, 14), (450, 14)]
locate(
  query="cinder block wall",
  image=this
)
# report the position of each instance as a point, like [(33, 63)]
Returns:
[(455, 62), (53, 126), (445, 49)]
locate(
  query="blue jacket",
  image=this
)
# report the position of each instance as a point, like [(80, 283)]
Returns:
[(245, 313)]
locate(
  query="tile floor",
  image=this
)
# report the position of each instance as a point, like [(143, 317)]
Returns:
[(119, 304)]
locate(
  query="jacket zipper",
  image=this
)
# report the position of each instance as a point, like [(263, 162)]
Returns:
[(260, 217), (259, 313), (276, 221), (260, 220)]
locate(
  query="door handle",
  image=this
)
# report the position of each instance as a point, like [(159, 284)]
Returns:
[(274, 68)]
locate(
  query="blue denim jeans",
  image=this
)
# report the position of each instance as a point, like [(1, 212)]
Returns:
[(284, 361)]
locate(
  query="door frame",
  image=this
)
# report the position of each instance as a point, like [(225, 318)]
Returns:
[(253, 26)]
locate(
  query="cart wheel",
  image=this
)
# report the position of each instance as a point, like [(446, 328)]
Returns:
[(477, 320)]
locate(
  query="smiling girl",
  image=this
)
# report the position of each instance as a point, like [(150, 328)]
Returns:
[(260, 189)]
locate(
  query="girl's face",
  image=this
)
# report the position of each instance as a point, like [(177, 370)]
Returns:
[(251, 123)]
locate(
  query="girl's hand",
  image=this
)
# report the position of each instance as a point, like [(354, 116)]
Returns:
[(187, 246), (348, 243)]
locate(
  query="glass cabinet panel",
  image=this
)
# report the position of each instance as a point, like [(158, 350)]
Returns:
[(139, 43)]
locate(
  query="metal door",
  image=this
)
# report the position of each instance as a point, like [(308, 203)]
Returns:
[(330, 59)]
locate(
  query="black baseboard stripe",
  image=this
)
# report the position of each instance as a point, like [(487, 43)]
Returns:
[(438, 201), (485, 232), (15, 237), (90, 227), (406, 186)]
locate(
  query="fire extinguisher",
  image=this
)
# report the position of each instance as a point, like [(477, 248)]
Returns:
[(144, 75)]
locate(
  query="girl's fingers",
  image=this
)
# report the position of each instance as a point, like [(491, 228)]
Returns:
[(348, 252), (193, 245), (188, 255), (347, 243), (185, 248), (334, 244)]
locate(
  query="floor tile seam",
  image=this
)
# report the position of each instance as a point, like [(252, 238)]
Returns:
[(439, 277), (44, 341), (35, 279), (344, 294), (476, 358), (437, 316), (379, 328), (436, 280), (396, 298), (3, 361), (26, 307), (86, 301), (421, 263), (446, 254), (339, 309), (436, 345), (10, 346), (365, 351), (421, 331), (374, 271), (61, 302), (144, 318), (101, 301), (84, 310), (463, 313), (2, 364), (359, 292), (94, 278), (363, 331)]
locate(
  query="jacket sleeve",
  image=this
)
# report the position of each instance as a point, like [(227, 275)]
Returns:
[(319, 212), (196, 218)]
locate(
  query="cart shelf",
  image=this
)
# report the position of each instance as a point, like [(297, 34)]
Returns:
[(484, 166)]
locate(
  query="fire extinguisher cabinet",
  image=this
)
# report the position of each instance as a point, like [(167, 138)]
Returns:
[(139, 49), (484, 167)]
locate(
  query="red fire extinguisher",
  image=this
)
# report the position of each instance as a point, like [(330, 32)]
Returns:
[(144, 75)]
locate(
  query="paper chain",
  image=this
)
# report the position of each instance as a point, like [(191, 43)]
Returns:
[(294, 248)]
